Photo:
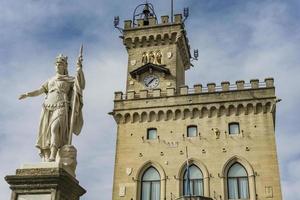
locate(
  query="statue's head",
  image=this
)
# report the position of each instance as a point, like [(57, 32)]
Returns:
[(61, 64)]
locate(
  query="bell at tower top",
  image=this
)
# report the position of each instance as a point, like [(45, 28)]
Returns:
[(148, 12), (144, 16)]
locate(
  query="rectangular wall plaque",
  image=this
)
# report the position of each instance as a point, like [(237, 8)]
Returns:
[(122, 190), (34, 197), (269, 191)]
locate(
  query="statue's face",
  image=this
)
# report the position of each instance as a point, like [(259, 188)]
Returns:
[(60, 68)]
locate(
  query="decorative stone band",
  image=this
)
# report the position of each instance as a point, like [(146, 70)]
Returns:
[(197, 89), (195, 111)]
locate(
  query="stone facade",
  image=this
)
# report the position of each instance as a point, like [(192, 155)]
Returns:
[(172, 107)]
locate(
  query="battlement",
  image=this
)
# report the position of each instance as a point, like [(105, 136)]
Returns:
[(153, 21), (154, 33), (211, 88)]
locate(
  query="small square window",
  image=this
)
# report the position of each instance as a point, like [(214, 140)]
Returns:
[(151, 134), (234, 128), (192, 131)]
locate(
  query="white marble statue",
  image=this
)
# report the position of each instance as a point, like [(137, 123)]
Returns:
[(61, 111)]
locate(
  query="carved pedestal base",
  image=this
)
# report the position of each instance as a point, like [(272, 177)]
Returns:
[(53, 183)]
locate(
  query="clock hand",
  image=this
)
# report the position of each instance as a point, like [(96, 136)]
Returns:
[(151, 81), (147, 83)]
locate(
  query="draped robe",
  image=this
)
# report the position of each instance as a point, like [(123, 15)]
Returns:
[(63, 97)]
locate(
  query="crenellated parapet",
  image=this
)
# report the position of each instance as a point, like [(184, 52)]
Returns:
[(199, 102), (225, 87), (153, 21)]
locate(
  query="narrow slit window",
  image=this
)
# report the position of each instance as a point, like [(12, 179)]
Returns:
[(191, 131), (151, 134), (234, 128)]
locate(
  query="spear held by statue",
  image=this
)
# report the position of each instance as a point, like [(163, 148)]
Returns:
[(77, 96)]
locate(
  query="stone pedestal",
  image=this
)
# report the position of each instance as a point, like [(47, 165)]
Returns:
[(44, 181)]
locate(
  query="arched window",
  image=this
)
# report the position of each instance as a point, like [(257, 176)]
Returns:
[(150, 185), (194, 181), (192, 131), (237, 180)]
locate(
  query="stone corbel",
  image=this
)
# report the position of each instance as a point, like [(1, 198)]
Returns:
[(220, 176), (135, 180)]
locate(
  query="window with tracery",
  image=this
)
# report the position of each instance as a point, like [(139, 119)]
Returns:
[(237, 182), (193, 181), (150, 185)]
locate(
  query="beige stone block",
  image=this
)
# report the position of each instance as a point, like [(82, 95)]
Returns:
[(211, 87), (184, 90), (143, 93), (198, 88), (225, 85), (165, 19), (127, 24), (269, 82), (254, 83), (156, 92), (152, 21), (170, 91), (177, 18), (240, 84), (130, 94), (140, 22), (118, 95)]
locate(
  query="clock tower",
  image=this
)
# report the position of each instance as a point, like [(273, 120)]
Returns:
[(158, 54), (180, 143)]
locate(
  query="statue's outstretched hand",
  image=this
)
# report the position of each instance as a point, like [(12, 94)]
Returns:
[(23, 96)]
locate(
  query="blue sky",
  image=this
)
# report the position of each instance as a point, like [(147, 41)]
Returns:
[(236, 40)]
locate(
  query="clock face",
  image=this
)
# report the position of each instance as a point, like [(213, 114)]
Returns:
[(151, 81)]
